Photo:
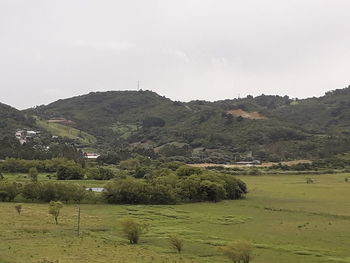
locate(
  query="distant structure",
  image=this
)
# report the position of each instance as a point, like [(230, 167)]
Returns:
[(24, 135), (249, 163), (95, 189), (91, 155)]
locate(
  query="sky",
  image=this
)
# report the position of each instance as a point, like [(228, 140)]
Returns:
[(181, 49)]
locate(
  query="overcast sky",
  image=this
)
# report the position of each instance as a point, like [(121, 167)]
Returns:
[(182, 49)]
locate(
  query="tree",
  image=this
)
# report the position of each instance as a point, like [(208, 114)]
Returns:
[(32, 191), (54, 209), (1, 176), (212, 191), (176, 242), (33, 174), (132, 229), (18, 209), (309, 181), (238, 252), (70, 172), (9, 190)]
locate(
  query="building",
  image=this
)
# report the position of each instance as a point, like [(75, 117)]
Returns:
[(91, 155)]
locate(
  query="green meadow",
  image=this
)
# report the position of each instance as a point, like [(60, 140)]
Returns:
[(286, 219), (66, 131)]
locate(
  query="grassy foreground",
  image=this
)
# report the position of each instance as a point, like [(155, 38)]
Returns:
[(286, 219)]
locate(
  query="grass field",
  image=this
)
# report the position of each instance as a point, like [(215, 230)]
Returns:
[(286, 219), (66, 131)]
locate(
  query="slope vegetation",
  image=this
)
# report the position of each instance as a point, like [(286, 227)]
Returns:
[(265, 127)]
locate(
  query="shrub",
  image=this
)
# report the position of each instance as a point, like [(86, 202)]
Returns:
[(33, 174), (176, 242), (186, 170), (127, 191), (132, 229), (100, 173), (54, 209), (18, 209), (212, 191), (70, 172), (9, 191), (254, 171), (309, 180), (239, 252)]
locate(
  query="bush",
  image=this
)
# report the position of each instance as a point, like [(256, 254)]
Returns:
[(70, 172), (132, 229), (239, 252), (309, 180), (177, 243), (18, 209), (100, 173), (33, 174), (254, 171), (127, 191), (54, 210), (9, 191), (186, 170)]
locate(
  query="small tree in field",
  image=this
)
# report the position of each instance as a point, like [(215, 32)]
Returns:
[(177, 243), (33, 174), (18, 209), (54, 209), (309, 181), (239, 252), (132, 229)]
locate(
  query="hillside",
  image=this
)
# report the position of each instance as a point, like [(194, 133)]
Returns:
[(12, 119), (265, 127)]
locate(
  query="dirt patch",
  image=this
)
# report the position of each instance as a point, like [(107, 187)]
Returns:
[(248, 115)]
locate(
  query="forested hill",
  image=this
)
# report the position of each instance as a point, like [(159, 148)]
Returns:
[(12, 119), (269, 127), (330, 113)]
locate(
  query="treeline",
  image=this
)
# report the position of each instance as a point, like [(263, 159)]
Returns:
[(39, 149), (43, 191), (137, 180), (173, 189), (332, 163), (12, 165)]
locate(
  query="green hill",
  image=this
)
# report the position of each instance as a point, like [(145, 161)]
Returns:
[(270, 127), (12, 119)]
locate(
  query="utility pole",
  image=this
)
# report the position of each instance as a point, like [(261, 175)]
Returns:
[(78, 220), (138, 85)]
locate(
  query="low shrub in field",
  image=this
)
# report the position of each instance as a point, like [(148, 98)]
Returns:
[(239, 252), (176, 242), (54, 210), (18, 209), (309, 181), (132, 229)]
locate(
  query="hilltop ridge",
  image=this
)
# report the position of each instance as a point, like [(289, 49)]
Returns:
[(203, 131)]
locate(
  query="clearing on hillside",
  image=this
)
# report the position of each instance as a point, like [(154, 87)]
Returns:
[(254, 115)]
